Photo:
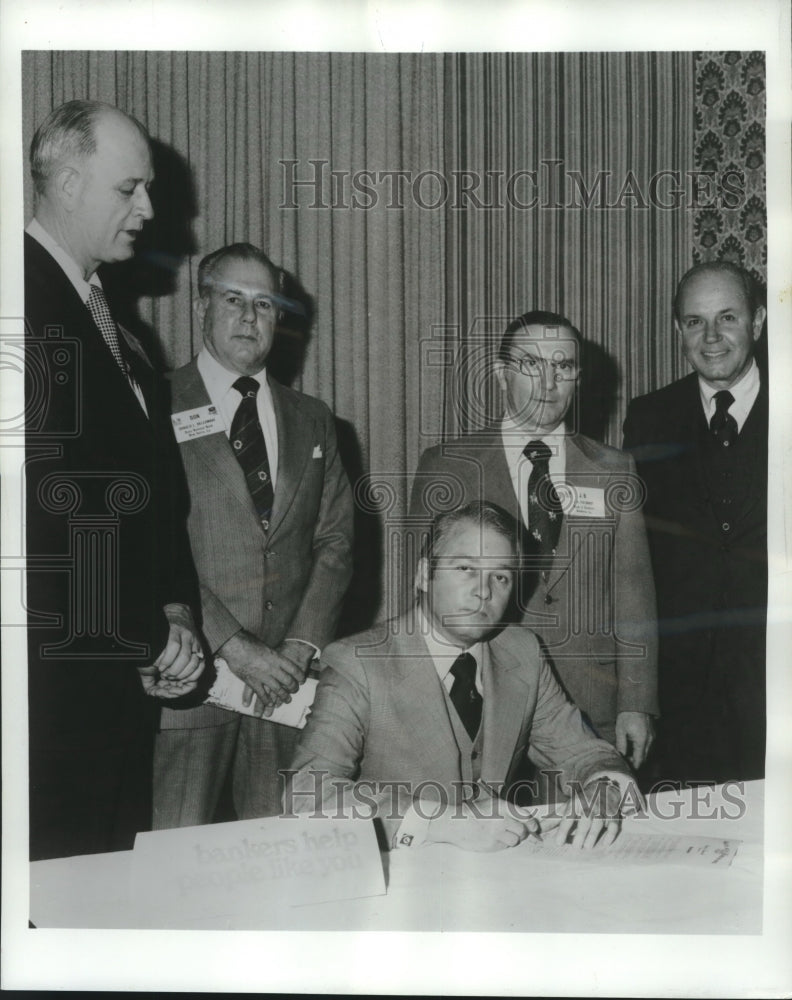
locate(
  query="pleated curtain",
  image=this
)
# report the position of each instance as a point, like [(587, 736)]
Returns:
[(408, 290), (595, 129)]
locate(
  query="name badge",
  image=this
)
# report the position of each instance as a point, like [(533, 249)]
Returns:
[(191, 424), (588, 502)]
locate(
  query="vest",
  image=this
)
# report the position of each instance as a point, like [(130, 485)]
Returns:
[(728, 473), (469, 750)]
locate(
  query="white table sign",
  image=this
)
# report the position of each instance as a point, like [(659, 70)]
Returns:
[(195, 875)]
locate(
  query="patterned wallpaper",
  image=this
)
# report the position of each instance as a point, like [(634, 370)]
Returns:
[(730, 222)]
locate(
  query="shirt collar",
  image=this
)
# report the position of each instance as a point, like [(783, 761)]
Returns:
[(442, 653), (515, 438), (744, 391), (66, 262), (747, 384), (219, 381)]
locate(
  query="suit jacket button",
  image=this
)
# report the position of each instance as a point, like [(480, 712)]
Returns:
[(726, 526), (474, 755), (268, 605)]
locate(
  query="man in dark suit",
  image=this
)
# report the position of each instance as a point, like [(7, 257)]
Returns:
[(110, 578), (700, 445), (590, 597), (271, 530), (426, 720)]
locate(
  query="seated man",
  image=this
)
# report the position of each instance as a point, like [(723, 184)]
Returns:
[(588, 593), (427, 717)]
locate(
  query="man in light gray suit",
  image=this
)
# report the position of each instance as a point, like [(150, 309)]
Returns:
[(424, 721), (270, 526)]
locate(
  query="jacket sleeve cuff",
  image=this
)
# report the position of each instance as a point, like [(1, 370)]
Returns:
[(411, 831), (218, 622)]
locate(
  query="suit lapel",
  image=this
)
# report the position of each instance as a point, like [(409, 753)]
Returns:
[(755, 463), (578, 472), (76, 316), (417, 688), (497, 478), (505, 695), (295, 444), (135, 355), (757, 467), (189, 393), (692, 426)]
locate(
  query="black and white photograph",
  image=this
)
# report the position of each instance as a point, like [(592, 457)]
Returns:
[(395, 484)]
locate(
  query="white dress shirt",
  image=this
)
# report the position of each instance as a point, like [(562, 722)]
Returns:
[(72, 270), (514, 439), (219, 382), (444, 655), (745, 392)]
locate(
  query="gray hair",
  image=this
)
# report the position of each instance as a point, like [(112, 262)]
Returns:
[(749, 285), (236, 251), (68, 132)]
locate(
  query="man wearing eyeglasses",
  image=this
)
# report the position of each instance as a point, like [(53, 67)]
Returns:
[(588, 590)]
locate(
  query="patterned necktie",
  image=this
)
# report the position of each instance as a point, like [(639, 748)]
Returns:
[(544, 507), (723, 425), (100, 311), (247, 440), (464, 694)]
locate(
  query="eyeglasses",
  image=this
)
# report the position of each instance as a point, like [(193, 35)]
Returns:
[(564, 370)]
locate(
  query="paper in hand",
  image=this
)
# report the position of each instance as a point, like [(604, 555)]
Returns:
[(228, 690)]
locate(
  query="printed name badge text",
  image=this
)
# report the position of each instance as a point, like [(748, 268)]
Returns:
[(588, 502), (191, 424)]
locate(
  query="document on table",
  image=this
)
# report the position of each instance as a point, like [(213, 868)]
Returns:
[(246, 871), (639, 848), (228, 689)]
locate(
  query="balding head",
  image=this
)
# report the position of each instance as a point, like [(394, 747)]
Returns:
[(68, 134), (91, 167), (719, 320)]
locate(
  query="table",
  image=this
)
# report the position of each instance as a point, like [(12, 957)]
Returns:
[(442, 888)]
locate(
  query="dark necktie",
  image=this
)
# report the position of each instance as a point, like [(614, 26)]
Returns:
[(723, 425), (247, 440), (464, 694), (544, 506)]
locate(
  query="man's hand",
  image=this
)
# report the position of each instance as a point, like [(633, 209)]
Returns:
[(176, 670), (486, 824), (302, 654), (634, 736), (159, 686), (269, 676), (591, 817)]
